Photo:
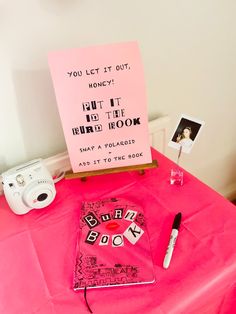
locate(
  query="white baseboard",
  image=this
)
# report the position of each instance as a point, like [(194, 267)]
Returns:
[(61, 162), (157, 131), (58, 163)]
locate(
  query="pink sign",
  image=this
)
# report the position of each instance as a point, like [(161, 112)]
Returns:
[(101, 98)]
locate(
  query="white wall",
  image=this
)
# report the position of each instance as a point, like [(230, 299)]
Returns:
[(188, 50)]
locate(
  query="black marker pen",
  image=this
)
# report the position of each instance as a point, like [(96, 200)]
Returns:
[(173, 237)]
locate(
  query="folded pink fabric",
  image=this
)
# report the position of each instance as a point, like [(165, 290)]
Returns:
[(38, 249)]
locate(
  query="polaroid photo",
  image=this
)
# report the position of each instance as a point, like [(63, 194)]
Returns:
[(186, 133)]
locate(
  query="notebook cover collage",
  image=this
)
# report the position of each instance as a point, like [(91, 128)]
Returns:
[(113, 245)]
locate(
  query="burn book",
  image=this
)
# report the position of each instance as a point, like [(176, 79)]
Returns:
[(113, 245)]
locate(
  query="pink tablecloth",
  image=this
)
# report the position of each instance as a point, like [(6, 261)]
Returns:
[(38, 249)]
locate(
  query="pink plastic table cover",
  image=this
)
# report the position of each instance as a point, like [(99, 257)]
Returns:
[(38, 249)]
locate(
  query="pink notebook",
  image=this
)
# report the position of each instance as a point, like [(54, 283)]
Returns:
[(113, 245)]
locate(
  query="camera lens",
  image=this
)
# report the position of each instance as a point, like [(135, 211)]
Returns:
[(42, 197)]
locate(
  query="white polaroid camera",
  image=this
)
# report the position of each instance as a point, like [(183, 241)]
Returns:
[(28, 186)]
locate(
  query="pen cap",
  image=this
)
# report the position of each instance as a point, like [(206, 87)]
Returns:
[(177, 221)]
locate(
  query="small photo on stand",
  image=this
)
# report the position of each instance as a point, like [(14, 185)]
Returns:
[(183, 139), (186, 133)]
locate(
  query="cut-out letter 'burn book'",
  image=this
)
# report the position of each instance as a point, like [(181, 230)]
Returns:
[(113, 245)]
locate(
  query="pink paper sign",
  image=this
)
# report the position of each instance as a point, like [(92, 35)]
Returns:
[(102, 104)]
